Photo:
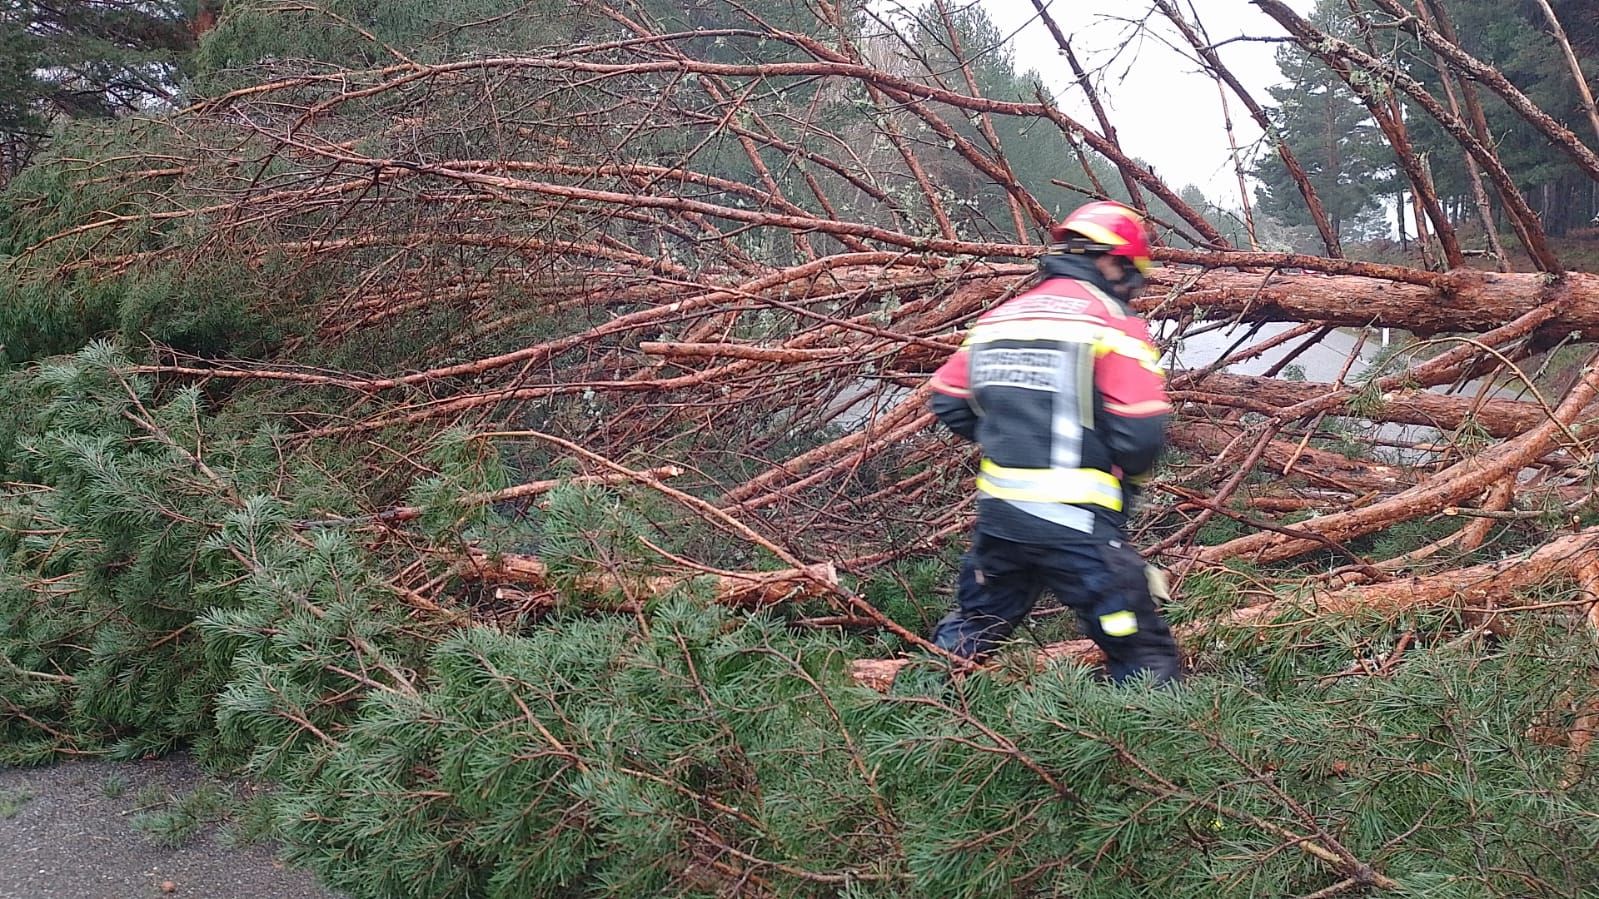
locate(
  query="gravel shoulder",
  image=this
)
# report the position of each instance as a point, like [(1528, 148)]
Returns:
[(68, 831)]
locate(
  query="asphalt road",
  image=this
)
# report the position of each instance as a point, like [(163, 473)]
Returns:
[(67, 832)]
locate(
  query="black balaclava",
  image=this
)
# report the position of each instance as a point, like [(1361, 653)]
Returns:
[(1081, 267)]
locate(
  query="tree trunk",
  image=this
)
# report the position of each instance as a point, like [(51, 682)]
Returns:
[(1577, 75), (1471, 301), (1499, 418), (750, 589)]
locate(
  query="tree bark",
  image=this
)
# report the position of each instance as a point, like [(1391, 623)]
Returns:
[(1322, 466), (752, 589), (1559, 135), (1337, 53), (1571, 62), (1470, 301), (1499, 418)]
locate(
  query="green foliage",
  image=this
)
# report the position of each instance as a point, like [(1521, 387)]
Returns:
[(1219, 529), (205, 311), (603, 807), (1348, 161), (136, 542), (1368, 402), (41, 320), (1406, 535), (251, 822), (102, 531), (157, 588), (681, 751), (309, 621), (366, 33), (593, 757), (462, 466), (181, 818), (1206, 594), (915, 593), (12, 802), (1513, 37), (586, 529), (51, 303), (17, 85)]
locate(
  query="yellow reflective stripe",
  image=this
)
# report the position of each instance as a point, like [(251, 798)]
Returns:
[(1122, 344), (1119, 624), (991, 467), (1036, 329), (1145, 408), (1078, 486), (1079, 496)]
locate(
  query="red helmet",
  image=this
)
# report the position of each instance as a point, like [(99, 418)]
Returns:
[(1122, 231)]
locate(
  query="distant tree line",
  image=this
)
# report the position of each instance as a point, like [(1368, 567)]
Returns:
[(1353, 167)]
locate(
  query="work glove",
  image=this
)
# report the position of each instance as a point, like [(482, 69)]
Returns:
[(1158, 587)]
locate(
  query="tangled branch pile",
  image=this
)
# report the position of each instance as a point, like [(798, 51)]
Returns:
[(445, 344)]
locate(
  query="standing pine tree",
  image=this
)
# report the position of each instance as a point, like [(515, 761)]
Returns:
[(1333, 136), (87, 59), (1515, 39)]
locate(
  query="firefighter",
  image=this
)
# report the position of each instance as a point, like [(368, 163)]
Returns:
[(1062, 389)]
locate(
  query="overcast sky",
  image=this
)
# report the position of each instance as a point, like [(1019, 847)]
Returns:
[(1165, 110)]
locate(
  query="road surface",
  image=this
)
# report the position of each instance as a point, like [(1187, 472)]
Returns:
[(67, 832)]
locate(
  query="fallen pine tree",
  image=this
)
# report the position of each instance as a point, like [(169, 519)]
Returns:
[(694, 743), (1499, 418), (441, 343)]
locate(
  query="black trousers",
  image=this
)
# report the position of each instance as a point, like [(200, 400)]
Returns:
[(1105, 584)]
